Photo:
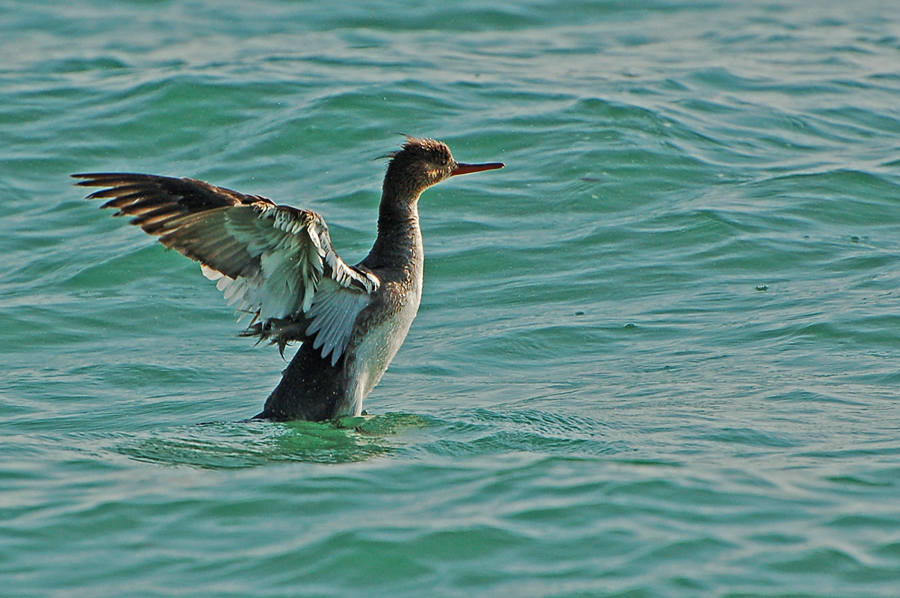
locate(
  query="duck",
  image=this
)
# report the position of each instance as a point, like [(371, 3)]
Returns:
[(277, 264)]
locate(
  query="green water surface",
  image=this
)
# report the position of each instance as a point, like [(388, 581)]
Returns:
[(658, 354)]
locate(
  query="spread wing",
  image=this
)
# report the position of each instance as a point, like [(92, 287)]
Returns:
[(275, 262)]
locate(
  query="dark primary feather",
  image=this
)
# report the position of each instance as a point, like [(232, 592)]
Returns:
[(155, 200)]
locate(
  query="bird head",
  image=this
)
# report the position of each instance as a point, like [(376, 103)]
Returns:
[(422, 163)]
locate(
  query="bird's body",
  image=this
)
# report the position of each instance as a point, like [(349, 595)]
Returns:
[(380, 328), (277, 263)]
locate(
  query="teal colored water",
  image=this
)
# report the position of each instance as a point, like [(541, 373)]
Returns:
[(658, 354)]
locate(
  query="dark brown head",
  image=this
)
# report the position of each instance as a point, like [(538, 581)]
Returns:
[(423, 163)]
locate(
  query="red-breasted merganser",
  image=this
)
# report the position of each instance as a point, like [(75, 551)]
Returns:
[(277, 263)]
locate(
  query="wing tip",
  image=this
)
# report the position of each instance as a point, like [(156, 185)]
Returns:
[(109, 179)]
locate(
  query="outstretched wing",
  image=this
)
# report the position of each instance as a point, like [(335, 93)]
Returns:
[(275, 262)]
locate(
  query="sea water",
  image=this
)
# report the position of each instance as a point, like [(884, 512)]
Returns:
[(657, 355)]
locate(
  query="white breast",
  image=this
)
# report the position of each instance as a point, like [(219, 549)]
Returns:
[(371, 357)]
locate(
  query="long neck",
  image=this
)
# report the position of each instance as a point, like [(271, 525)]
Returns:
[(399, 242)]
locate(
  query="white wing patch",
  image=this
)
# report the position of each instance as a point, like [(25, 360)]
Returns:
[(287, 278), (282, 280), (333, 313), (234, 291)]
